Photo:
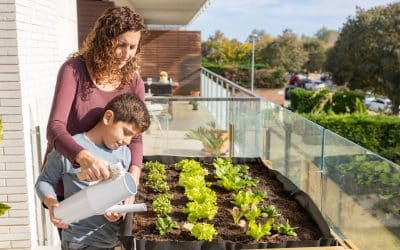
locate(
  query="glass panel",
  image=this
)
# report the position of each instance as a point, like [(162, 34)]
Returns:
[(290, 142), (357, 191), (361, 194), (173, 120)]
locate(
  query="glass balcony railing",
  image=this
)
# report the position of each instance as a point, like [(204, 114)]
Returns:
[(356, 190)]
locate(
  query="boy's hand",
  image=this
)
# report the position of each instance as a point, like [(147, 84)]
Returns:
[(128, 201), (52, 203), (112, 217), (92, 168)]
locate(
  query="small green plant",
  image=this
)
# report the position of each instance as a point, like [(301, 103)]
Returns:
[(156, 177), (259, 230), (195, 105), (201, 194), (246, 199), (284, 229), (253, 213), (162, 204), (202, 231), (232, 177), (165, 225), (197, 211), (212, 138), (236, 215), (270, 211), (3, 208)]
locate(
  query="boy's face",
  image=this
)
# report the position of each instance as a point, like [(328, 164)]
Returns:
[(119, 133)]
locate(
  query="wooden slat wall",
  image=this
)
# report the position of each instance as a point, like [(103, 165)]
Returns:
[(88, 12), (177, 52)]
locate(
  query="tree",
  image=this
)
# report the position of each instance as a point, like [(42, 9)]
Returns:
[(219, 49), (218, 36), (367, 52), (261, 43), (316, 54), (285, 51), (259, 33), (327, 35)]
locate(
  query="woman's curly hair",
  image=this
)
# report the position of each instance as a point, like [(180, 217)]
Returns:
[(98, 49)]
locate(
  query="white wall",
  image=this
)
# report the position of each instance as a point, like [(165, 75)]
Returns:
[(35, 38)]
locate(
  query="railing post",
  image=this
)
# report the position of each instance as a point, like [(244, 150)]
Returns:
[(231, 140), (267, 145)]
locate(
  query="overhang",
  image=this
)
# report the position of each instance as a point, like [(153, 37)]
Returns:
[(169, 12)]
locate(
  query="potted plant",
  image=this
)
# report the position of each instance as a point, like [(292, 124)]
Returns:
[(195, 105), (215, 141)]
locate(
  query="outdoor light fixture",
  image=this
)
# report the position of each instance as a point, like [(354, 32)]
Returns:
[(253, 39)]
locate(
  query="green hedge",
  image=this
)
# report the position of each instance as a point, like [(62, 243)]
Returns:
[(343, 101), (378, 133)]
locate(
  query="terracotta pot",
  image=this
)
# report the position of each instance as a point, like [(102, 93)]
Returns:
[(195, 93)]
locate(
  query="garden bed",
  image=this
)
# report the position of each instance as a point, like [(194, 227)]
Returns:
[(293, 205)]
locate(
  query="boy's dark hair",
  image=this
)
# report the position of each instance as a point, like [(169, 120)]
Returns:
[(129, 108)]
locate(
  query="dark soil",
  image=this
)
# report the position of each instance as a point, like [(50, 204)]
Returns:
[(144, 227)]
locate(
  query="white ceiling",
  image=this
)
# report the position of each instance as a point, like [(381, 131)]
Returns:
[(169, 12)]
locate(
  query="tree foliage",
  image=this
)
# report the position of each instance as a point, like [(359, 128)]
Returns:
[(327, 35), (286, 52), (219, 49), (367, 52), (316, 54)]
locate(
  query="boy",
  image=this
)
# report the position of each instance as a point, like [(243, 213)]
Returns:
[(123, 118)]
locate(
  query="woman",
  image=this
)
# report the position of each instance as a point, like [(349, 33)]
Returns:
[(103, 68)]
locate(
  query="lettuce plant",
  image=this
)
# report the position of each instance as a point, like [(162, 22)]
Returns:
[(156, 177), (253, 213), (245, 199), (259, 230), (202, 231), (162, 204), (236, 215), (201, 194), (285, 229), (197, 211), (270, 211), (165, 225), (232, 177)]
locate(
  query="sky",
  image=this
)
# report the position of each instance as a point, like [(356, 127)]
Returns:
[(237, 18)]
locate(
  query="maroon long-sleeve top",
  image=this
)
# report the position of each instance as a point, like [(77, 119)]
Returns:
[(77, 107)]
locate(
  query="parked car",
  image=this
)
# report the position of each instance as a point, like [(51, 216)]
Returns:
[(313, 85), (369, 97), (380, 105)]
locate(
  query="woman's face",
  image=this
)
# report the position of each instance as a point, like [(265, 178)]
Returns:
[(127, 45)]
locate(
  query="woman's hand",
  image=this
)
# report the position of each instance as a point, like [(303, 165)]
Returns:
[(52, 203), (112, 217), (92, 168)]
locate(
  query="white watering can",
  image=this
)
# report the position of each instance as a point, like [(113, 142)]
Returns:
[(100, 198)]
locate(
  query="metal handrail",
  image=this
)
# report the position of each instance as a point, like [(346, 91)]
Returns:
[(200, 98), (229, 83)]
